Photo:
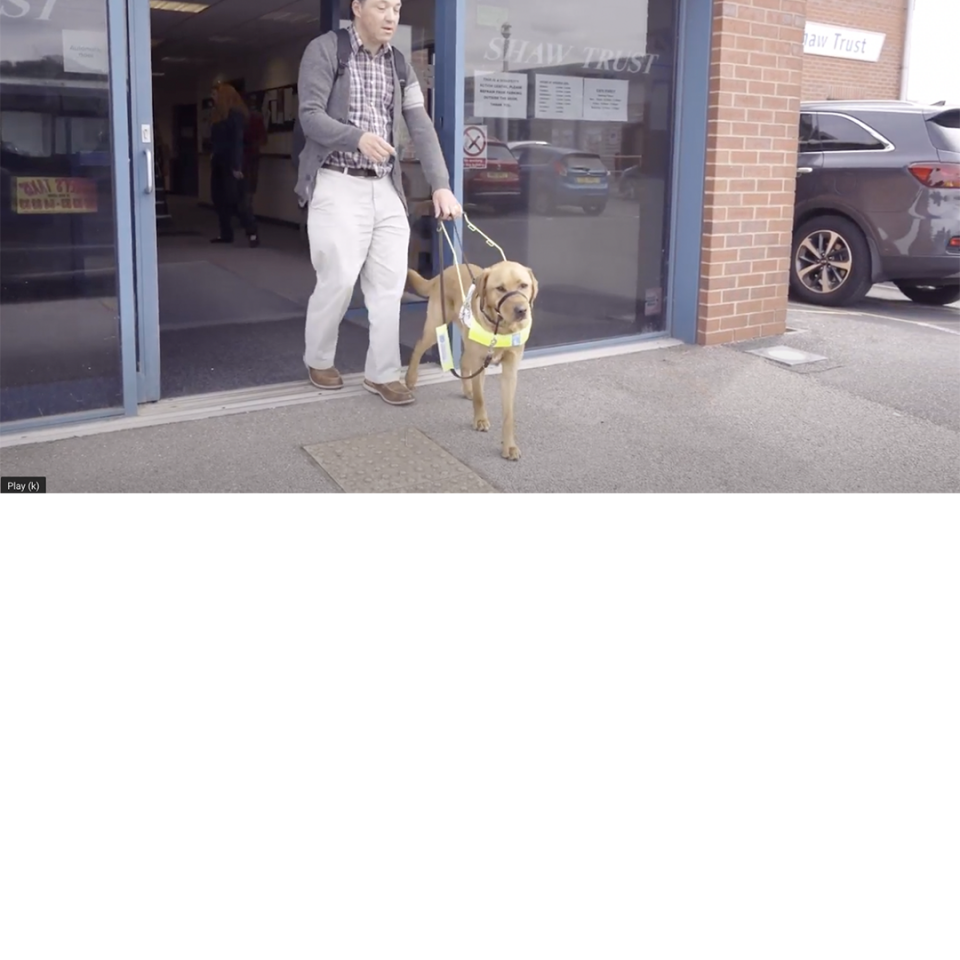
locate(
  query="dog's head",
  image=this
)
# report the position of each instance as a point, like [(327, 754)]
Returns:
[(506, 292)]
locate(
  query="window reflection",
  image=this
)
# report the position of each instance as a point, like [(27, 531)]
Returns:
[(567, 156), (59, 336)]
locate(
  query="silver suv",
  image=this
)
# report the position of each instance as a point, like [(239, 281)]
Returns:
[(878, 199)]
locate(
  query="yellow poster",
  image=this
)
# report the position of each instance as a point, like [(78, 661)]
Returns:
[(54, 195)]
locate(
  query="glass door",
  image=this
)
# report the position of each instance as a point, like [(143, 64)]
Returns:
[(67, 348)]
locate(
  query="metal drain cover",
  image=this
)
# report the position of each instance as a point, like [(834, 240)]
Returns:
[(787, 355), (404, 461)]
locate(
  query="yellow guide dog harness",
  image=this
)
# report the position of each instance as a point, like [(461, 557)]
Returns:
[(491, 340)]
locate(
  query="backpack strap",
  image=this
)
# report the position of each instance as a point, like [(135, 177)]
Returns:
[(344, 52)]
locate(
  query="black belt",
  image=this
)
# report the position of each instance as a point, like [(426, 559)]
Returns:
[(353, 171)]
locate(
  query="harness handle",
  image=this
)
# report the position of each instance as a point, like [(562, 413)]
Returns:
[(442, 228)]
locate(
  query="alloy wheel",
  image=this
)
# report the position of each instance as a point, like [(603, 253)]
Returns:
[(823, 262)]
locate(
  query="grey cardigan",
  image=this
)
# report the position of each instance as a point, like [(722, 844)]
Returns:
[(326, 128)]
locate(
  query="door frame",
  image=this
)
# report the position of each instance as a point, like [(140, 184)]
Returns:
[(142, 158)]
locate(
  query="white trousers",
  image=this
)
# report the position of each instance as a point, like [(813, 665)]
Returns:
[(358, 227)]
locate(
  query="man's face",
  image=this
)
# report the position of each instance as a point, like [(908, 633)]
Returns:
[(377, 20)]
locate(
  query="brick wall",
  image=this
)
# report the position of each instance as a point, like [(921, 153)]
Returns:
[(755, 77), (829, 78)]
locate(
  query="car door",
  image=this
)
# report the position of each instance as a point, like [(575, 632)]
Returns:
[(810, 183)]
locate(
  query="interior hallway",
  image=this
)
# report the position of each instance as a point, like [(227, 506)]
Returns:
[(232, 316)]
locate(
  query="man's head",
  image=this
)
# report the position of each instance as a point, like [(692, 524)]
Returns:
[(376, 20)]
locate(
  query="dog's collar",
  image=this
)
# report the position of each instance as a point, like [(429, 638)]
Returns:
[(495, 341)]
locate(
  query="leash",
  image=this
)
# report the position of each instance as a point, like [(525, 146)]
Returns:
[(493, 341)]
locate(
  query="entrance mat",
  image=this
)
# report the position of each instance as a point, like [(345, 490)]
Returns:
[(403, 461), (205, 360), (201, 294)]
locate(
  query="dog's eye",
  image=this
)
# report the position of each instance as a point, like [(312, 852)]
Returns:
[(501, 289), (523, 286)]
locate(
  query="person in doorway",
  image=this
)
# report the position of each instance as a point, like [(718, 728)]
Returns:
[(349, 178), (227, 187), (254, 140)]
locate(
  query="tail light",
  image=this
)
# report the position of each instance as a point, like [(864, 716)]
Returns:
[(937, 175), (560, 168), (954, 244)]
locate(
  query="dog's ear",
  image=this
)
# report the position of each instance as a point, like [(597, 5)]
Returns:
[(534, 286), (482, 287)]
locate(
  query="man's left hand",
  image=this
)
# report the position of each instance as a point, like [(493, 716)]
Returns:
[(445, 205)]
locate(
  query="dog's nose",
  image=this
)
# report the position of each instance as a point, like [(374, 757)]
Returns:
[(520, 312)]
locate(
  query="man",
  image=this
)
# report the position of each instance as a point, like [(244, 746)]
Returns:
[(349, 177)]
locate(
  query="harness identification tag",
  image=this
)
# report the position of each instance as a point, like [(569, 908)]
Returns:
[(443, 345)]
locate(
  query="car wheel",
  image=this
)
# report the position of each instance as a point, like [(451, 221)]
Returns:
[(934, 295), (830, 262), (631, 190)]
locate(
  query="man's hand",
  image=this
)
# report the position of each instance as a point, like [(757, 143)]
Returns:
[(238, 174), (445, 206), (376, 148)]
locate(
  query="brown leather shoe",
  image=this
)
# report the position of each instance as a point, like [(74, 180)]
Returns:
[(328, 379), (395, 393)]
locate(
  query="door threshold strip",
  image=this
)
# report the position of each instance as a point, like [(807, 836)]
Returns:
[(254, 399)]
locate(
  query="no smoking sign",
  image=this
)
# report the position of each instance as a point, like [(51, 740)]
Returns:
[(474, 147)]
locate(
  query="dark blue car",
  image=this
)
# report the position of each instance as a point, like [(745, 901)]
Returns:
[(552, 177)]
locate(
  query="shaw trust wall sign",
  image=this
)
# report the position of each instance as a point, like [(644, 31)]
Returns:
[(846, 43)]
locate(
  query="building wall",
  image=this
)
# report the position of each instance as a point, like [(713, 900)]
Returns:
[(829, 78), (756, 68)]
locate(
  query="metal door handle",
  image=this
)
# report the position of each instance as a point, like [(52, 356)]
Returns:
[(149, 155), (802, 170)]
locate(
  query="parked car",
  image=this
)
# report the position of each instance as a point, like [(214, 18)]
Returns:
[(496, 185), (552, 177), (629, 183), (878, 199)]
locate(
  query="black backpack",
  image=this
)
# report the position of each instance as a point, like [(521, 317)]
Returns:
[(344, 55)]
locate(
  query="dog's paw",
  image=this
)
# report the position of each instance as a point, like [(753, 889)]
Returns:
[(510, 452), (481, 423), (411, 382)]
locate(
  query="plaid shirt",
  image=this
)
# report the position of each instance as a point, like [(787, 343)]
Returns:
[(371, 101)]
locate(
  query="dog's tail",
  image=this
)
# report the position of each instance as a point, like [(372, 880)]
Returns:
[(420, 285)]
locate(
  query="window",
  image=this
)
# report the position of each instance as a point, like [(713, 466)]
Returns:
[(586, 98), (945, 130), (499, 153), (60, 336), (841, 133), (808, 133)]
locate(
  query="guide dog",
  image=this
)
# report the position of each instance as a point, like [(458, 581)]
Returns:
[(501, 301)]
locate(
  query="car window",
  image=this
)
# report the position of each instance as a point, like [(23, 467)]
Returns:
[(584, 161), (497, 151), (808, 133), (945, 130), (841, 133)]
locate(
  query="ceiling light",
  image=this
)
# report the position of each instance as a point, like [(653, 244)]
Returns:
[(175, 6), (223, 39), (288, 17)]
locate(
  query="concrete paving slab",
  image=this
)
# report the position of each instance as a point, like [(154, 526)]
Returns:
[(399, 461)]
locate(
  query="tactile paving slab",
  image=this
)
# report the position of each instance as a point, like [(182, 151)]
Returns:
[(404, 461)]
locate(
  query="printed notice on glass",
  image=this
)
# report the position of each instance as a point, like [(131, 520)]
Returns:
[(85, 51), (500, 95), (605, 99), (558, 98)]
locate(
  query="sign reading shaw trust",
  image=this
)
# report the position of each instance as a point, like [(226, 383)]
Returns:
[(847, 43)]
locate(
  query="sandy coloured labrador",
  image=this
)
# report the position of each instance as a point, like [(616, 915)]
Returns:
[(501, 303)]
